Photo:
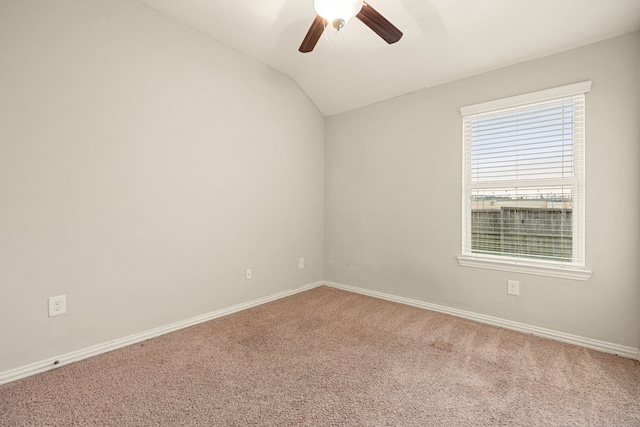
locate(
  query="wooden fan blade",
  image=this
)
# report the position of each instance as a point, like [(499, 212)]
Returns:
[(314, 33), (379, 24)]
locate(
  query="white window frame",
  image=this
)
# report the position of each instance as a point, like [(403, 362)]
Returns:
[(573, 270)]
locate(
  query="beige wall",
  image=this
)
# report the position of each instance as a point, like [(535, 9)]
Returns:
[(393, 198), (143, 166)]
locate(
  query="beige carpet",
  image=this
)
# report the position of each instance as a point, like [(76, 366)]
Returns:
[(329, 357)]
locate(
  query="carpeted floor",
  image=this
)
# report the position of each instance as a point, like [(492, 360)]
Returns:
[(330, 357)]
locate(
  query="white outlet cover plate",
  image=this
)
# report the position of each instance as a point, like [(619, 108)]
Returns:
[(513, 287), (57, 305)]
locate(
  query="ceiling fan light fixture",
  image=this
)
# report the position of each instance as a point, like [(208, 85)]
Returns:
[(337, 12)]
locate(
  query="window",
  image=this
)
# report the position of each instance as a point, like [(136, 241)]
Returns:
[(523, 183)]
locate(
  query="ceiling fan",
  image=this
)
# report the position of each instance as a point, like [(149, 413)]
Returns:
[(339, 12)]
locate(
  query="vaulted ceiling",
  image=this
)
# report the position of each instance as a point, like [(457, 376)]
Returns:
[(444, 40)]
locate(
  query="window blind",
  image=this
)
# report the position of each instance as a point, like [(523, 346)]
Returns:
[(523, 180)]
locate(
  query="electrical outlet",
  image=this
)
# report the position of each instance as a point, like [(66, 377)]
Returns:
[(513, 287), (301, 263), (57, 305), (248, 274)]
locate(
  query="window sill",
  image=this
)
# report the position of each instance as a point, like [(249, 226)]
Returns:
[(518, 266)]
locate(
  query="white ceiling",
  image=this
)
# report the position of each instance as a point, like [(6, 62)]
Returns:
[(444, 40)]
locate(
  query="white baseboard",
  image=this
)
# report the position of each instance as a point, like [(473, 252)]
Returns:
[(75, 356), (603, 346)]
